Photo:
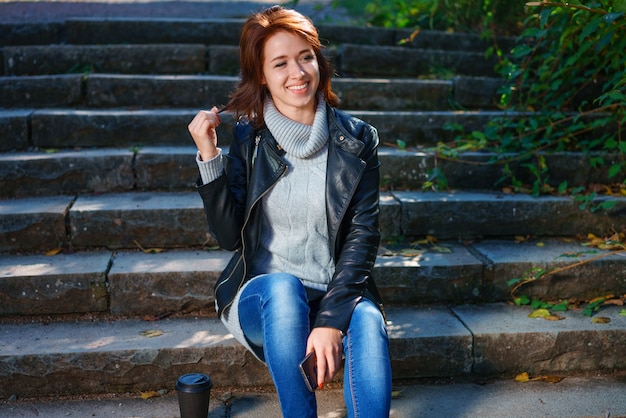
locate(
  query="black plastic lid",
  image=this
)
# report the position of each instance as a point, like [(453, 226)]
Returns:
[(194, 383)]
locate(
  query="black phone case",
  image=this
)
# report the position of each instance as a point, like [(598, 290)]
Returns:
[(308, 369)]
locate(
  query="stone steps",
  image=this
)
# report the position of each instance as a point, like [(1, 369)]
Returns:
[(224, 31), (116, 356), (177, 58), (68, 128), (159, 281), (97, 91), (176, 219), (153, 168), (96, 161)]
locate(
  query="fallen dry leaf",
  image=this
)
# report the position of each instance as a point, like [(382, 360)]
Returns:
[(52, 252), (539, 313), (554, 317), (600, 320), (522, 377), (149, 394), (150, 333), (395, 394)]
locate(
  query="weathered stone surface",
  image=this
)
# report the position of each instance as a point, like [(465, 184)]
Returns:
[(33, 224), (109, 128), (166, 168), (477, 92), (390, 216), (223, 60), (593, 278), (113, 357), (466, 215), (124, 128), (453, 41), (149, 220), (66, 172), (40, 91), (175, 281), (386, 94), (125, 59), (35, 285), (507, 342), (152, 31), (361, 60), (30, 33), (428, 342), (14, 130), (339, 34), (162, 91), (430, 277), (422, 128)]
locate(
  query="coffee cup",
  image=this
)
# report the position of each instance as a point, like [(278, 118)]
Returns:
[(194, 390)]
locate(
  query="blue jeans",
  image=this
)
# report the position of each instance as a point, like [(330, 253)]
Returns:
[(274, 316)]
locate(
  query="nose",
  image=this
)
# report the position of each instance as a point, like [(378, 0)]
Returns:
[(297, 71)]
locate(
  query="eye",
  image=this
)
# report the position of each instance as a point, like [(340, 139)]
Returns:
[(308, 57), (279, 64)]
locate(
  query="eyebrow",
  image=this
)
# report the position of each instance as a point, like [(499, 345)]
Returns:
[(304, 51)]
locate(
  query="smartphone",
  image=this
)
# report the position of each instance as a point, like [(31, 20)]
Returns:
[(308, 368)]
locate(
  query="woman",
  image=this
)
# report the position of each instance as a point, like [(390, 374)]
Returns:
[(296, 198)]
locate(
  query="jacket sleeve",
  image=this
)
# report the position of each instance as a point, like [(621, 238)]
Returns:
[(224, 198), (357, 245)]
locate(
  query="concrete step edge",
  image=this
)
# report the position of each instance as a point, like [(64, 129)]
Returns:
[(177, 220), (118, 356), (161, 282)]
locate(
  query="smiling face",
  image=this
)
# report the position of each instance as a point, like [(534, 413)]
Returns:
[(291, 75)]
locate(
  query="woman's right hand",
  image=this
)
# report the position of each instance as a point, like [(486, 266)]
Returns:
[(202, 130)]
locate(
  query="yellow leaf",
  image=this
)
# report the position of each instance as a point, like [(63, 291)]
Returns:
[(519, 238), (601, 298), (550, 379), (409, 252), (522, 377), (149, 394), (54, 251), (149, 333), (600, 320), (541, 244), (395, 394), (554, 317), (539, 313), (440, 249)]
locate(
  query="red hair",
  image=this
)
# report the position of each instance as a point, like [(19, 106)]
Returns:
[(250, 94)]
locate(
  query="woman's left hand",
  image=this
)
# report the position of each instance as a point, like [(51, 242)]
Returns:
[(327, 344)]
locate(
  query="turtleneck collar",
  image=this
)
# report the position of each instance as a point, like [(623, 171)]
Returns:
[(296, 138)]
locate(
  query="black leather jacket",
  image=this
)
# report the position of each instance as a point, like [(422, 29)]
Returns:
[(254, 164)]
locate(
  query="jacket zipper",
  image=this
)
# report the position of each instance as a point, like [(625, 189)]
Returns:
[(245, 223)]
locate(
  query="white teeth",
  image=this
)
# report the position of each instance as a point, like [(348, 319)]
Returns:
[(298, 87)]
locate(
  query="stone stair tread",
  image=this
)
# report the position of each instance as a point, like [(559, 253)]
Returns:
[(64, 128), (100, 90), (176, 218), (425, 342), (158, 281), (110, 170)]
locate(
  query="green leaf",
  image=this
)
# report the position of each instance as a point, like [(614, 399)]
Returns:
[(615, 170), (560, 307), (521, 300)]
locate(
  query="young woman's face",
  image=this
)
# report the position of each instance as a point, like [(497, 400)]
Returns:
[(291, 74)]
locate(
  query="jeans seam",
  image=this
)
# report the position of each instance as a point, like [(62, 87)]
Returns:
[(350, 374)]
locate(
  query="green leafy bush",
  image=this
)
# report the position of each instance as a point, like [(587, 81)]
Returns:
[(501, 16), (565, 91)]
